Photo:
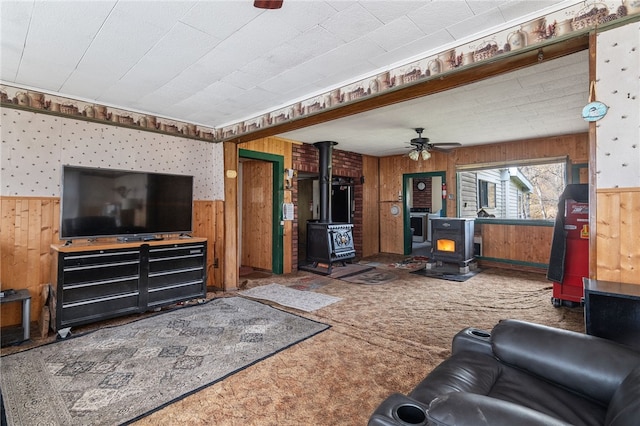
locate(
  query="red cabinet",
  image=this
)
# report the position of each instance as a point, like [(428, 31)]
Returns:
[(576, 261)]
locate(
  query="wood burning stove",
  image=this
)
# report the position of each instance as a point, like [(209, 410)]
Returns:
[(452, 240), (328, 242)]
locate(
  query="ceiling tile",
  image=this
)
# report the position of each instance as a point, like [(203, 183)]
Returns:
[(397, 33), (220, 19), (475, 24), (50, 32), (301, 15), (351, 23), (14, 25), (315, 41), (389, 11), (514, 10), (438, 15), (417, 48)]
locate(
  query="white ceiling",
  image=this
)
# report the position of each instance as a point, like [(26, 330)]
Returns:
[(216, 63)]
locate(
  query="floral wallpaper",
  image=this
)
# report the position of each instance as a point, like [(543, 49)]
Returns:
[(35, 146)]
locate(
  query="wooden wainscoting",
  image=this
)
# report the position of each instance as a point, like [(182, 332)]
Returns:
[(515, 246), (30, 225), (208, 222), (617, 235), (370, 216)]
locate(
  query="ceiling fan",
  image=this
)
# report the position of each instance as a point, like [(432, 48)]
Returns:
[(422, 147), (268, 4)]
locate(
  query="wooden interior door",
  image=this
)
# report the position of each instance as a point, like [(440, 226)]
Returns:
[(257, 214)]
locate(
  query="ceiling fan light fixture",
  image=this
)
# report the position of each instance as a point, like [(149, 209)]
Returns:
[(268, 4), (425, 154), (414, 155)]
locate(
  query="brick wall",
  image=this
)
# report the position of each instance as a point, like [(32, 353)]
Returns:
[(422, 199), (344, 164)]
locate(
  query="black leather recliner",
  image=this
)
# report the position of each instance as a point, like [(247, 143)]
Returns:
[(523, 374)]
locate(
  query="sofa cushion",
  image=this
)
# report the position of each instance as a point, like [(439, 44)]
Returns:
[(475, 373), (570, 359), (461, 408), (624, 409)]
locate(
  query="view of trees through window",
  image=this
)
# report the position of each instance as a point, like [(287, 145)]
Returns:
[(527, 191)]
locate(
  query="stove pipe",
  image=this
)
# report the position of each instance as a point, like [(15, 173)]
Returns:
[(325, 150)]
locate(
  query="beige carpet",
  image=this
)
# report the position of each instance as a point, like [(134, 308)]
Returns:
[(384, 339)]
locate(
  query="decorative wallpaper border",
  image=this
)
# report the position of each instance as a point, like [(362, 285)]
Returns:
[(570, 21), (57, 105)]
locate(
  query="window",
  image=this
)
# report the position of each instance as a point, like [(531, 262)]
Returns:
[(524, 190), (487, 194)]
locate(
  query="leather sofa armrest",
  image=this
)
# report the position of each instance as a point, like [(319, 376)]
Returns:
[(472, 339), (589, 365), (462, 408), (398, 410)]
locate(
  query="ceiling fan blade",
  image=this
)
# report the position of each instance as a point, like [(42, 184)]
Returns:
[(447, 144), (443, 147)]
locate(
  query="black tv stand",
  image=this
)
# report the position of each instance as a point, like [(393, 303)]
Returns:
[(94, 282)]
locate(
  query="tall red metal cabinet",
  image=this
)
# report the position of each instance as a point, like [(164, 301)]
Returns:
[(569, 262)]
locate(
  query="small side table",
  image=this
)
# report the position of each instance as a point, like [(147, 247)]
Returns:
[(24, 296), (612, 311)]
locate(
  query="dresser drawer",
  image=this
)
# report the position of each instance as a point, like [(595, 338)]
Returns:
[(86, 311), (101, 272), (99, 289), (176, 292), (99, 258), (176, 276)]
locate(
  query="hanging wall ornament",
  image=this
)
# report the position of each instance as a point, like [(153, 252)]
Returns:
[(594, 110)]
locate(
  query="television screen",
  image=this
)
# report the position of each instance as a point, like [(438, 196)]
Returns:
[(104, 202)]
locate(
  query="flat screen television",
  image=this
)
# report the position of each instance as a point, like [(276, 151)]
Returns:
[(98, 202)]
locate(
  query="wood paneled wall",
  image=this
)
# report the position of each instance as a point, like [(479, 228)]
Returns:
[(208, 222), (283, 147), (30, 225), (575, 147), (370, 216), (521, 244), (257, 214), (618, 228)]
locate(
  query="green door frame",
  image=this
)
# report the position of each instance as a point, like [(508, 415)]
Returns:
[(277, 244), (407, 214)]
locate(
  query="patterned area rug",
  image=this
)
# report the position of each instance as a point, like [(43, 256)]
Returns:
[(306, 301), (413, 262), (338, 271), (374, 277), (118, 374), (310, 283)]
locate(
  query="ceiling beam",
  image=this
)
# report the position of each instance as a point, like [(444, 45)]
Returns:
[(467, 75)]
